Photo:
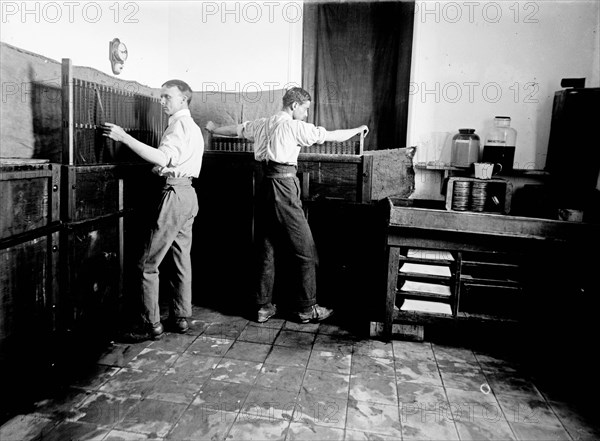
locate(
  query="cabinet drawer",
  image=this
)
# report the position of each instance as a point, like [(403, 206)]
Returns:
[(30, 197), (28, 288), (492, 301), (93, 275)]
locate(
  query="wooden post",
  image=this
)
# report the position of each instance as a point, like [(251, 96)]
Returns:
[(67, 111)]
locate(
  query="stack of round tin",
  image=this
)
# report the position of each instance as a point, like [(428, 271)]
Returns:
[(478, 196), (461, 194)]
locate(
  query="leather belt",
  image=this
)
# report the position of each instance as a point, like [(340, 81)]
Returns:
[(280, 175), (178, 181)]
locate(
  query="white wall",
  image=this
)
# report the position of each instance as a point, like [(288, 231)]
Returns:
[(474, 60), (230, 46)]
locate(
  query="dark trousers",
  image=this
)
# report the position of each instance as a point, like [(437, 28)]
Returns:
[(281, 227)]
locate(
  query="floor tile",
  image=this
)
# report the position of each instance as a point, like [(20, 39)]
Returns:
[(431, 427), (177, 387), (528, 411), (408, 350), (363, 364), (226, 330), (152, 417), (295, 339), (121, 354), (280, 377), (259, 334), (94, 377), (319, 382), (201, 423), (374, 348), (273, 322), (295, 357), (320, 410), (103, 410), (302, 431), (453, 354), (533, 432), (336, 330), (357, 435), (579, 425), (482, 428), (469, 405), (465, 376), (415, 400), (197, 327), (418, 371), (222, 395), (173, 342), (75, 431), (25, 427), (130, 382), (236, 371), (265, 403), (508, 383), (375, 418), (330, 361), (121, 435), (211, 346), (374, 388), (153, 359), (248, 428), (194, 365), (333, 343), (304, 327), (61, 404), (245, 350)]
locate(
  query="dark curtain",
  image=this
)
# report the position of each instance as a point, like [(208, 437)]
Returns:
[(356, 65)]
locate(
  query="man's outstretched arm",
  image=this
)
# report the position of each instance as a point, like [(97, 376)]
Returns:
[(345, 134), (231, 130)]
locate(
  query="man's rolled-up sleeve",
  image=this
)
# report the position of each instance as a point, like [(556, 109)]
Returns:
[(171, 145), (309, 134), (246, 130)]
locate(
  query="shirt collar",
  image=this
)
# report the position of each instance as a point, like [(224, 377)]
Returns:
[(179, 114)]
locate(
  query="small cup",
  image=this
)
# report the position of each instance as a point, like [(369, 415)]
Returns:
[(570, 215), (485, 170)]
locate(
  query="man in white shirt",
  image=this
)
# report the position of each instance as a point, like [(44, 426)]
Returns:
[(178, 159), (280, 221)]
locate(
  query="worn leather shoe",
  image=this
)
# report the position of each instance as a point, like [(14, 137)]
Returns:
[(181, 325), (315, 314), (148, 332), (266, 312)]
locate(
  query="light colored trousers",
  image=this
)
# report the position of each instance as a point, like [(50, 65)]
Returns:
[(173, 231)]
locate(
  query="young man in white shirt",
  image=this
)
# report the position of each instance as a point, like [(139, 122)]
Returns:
[(177, 159), (280, 220)]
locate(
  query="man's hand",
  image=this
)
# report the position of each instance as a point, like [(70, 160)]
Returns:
[(365, 130), (114, 132), (210, 126)]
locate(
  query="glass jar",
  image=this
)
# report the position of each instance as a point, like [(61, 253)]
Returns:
[(500, 144), (465, 148)]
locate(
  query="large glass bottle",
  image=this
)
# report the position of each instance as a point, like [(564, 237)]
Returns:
[(500, 143), (465, 148)]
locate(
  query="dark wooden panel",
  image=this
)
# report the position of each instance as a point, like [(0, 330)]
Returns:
[(30, 197), (28, 288), (90, 300), (90, 192)]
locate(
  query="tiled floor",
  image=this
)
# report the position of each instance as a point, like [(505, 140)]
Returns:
[(229, 378)]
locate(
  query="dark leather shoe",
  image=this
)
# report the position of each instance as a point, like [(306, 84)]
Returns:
[(149, 332), (181, 325), (156, 330)]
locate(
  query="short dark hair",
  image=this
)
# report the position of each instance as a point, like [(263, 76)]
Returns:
[(295, 95), (183, 87)]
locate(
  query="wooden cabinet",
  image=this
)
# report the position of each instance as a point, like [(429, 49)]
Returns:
[(29, 250), (497, 266)]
